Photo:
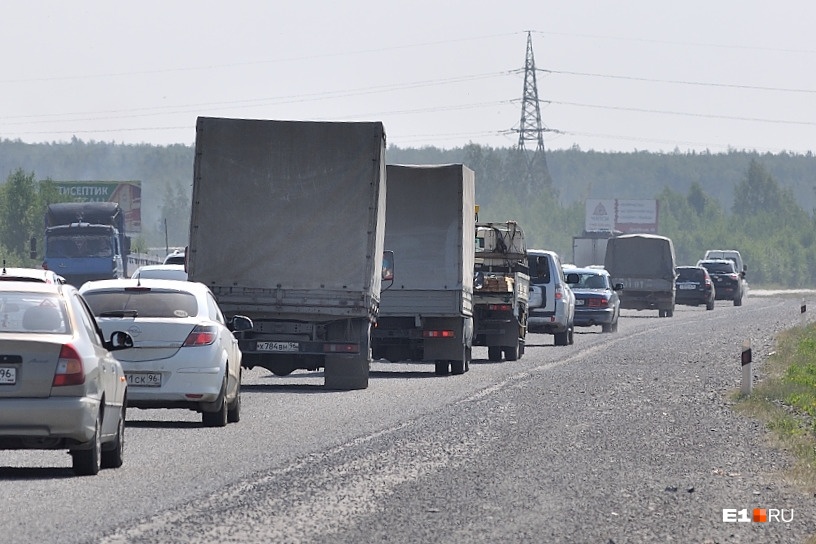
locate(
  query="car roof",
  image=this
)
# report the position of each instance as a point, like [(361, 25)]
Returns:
[(160, 267), (586, 270), (690, 266), (26, 274), (541, 252), (32, 286), (189, 286)]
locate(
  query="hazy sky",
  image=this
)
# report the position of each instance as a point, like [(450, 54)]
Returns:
[(612, 76)]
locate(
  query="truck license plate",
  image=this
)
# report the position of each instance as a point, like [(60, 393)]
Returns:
[(8, 375), (277, 346), (144, 379)]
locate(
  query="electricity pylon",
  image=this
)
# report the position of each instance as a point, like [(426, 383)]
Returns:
[(531, 128)]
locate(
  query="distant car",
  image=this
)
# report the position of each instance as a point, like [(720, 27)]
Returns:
[(60, 387), (184, 354), (728, 283), (161, 272), (30, 274), (551, 302), (176, 257), (596, 300), (694, 287)]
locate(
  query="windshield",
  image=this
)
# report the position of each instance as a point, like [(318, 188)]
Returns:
[(79, 246)]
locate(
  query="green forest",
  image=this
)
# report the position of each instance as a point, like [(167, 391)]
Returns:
[(761, 204)]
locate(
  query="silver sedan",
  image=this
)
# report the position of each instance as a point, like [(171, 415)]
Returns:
[(60, 387)]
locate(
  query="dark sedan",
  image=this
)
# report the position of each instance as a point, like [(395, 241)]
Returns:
[(694, 287), (596, 299)]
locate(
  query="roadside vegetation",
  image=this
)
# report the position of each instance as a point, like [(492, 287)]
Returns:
[(785, 400), (705, 200)]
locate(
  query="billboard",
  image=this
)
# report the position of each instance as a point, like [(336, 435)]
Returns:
[(127, 193), (624, 215)]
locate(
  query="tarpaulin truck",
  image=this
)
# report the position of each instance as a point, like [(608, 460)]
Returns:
[(427, 313), (287, 227), (86, 241), (645, 265), (501, 290)]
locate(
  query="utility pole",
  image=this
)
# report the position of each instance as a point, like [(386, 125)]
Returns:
[(531, 128)]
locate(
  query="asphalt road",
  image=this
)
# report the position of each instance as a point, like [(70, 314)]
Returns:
[(622, 437)]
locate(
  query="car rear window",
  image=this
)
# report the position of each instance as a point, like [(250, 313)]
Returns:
[(719, 268), (689, 274), (142, 302), (32, 313)]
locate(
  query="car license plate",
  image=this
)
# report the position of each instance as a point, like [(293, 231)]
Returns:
[(8, 375), (277, 346), (687, 286), (579, 302), (144, 379)]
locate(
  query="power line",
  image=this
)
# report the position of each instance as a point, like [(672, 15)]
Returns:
[(681, 82), (686, 114)]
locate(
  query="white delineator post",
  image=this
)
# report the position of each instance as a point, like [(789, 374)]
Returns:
[(747, 368)]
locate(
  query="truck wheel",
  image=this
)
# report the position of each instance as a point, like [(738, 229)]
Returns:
[(494, 353), (348, 372), (661, 312), (442, 368), (468, 358)]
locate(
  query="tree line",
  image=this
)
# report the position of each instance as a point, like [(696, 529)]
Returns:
[(761, 204)]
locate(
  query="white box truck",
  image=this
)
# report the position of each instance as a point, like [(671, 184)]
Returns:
[(287, 227), (427, 313)]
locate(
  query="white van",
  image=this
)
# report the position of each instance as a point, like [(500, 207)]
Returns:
[(552, 302)]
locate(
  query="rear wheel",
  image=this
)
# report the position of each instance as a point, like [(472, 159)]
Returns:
[(511, 353), (494, 353), (738, 301), (88, 462), (561, 338), (442, 368), (219, 417), (113, 456), (234, 409), (710, 304), (571, 336)]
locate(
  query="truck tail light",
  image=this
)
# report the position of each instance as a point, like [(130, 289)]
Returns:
[(341, 348), (201, 335), (438, 334), (499, 307), (69, 368)]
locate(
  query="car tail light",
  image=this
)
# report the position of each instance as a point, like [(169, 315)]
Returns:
[(733, 276), (559, 294), (438, 334), (201, 335), (69, 368), (708, 282), (499, 307)]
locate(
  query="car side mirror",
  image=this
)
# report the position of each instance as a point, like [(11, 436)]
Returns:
[(119, 340), (239, 323)]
